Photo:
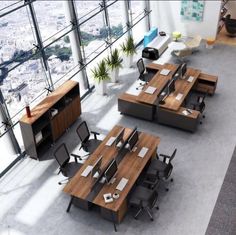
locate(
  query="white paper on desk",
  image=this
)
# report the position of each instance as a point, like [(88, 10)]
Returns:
[(190, 79), (165, 72), (150, 90), (179, 96), (185, 112)]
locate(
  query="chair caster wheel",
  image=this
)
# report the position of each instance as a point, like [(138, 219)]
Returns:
[(152, 219), (157, 208), (167, 189), (135, 218), (171, 180)]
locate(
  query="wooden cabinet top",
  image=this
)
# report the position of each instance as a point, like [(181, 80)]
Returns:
[(130, 167), (48, 102)]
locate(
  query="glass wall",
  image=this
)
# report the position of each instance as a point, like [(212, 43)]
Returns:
[(33, 28)]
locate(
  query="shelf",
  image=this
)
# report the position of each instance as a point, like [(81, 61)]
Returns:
[(51, 117)]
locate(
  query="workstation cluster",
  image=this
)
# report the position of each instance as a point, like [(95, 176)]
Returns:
[(107, 179), (164, 97)]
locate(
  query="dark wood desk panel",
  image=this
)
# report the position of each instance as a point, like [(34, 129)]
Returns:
[(80, 186), (181, 86), (158, 81)]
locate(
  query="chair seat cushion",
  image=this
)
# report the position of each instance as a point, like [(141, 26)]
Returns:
[(91, 145), (70, 169), (140, 194)]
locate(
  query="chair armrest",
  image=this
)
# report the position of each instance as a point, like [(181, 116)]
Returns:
[(78, 156), (164, 157), (75, 157), (95, 134)]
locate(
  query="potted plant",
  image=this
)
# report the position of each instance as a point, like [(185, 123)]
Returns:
[(101, 76), (114, 62), (129, 50)]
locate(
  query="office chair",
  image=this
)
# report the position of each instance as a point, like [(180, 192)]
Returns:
[(88, 145), (67, 168), (143, 74), (144, 199), (230, 25), (200, 105), (162, 169), (182, 54)]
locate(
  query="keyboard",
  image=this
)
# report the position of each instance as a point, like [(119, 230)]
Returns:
[(142, 152), (179, 96), (110, 141), (122, 184), (86, 171)]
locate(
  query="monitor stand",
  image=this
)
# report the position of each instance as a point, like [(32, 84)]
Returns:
[(162, 102)]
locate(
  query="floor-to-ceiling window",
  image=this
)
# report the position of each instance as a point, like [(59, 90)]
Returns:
[(36, 51)]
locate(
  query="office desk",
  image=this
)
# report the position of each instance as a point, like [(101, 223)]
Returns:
[(182, 86), (146, 105), (129, 167), (158, 81)]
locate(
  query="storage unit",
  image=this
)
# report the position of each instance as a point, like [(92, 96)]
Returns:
[(206, 83), (50, 118)]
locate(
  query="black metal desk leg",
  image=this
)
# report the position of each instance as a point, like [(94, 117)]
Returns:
[(69, 206)]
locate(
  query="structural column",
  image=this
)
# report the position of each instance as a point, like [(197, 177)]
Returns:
[(75, 44)]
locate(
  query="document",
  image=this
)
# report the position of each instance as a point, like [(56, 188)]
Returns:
[(190, 79), (150, 90), (165, 72), (179, 96)]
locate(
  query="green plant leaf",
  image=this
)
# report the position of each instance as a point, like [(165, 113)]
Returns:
[(100, 73)]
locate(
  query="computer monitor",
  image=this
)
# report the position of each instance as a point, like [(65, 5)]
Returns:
[(177, 73), (183, 69), (96, 168), (119, 137), (110, 171), (133, 140), (171, 86)]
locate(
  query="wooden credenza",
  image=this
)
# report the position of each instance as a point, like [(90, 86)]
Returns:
[(50, 118)]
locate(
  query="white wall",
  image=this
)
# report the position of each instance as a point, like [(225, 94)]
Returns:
[(166, 16), (231, 6)]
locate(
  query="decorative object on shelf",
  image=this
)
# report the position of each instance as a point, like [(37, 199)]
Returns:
[(114, 62), (101, 76), (128, 49), (192, 10), (28, 112)]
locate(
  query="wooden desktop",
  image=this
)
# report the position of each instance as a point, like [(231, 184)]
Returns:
[(130, 167), (171, 113)]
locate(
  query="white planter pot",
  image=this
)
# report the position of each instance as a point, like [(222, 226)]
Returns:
[(101, 88), (127, 60), (114, 74)]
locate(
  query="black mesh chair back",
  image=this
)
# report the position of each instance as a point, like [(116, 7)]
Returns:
[(62, 155), (141, 67), (83, 132)]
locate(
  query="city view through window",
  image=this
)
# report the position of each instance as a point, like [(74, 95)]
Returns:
[(36, 52)]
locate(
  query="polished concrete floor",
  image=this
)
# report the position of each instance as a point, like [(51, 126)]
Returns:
[(31, 201)]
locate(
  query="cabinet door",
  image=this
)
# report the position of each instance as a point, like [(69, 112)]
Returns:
[(58, 125), (73, 111)]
